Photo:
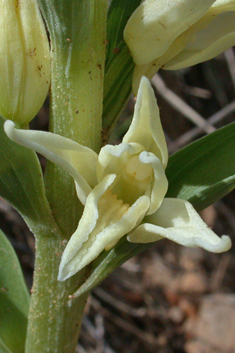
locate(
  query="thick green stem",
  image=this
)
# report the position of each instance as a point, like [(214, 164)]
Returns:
[(77, 69), (53, 323), (77, 31)]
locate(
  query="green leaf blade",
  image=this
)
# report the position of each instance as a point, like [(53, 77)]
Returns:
[(204, 171), (118, 15), (119, 63), (14, 300), (21, 180), (108, 261), (3, 348)]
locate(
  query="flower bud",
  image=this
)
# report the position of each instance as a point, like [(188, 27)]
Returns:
[(173, 35), (155, 25), (24, 60)]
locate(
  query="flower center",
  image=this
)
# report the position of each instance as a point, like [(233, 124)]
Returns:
[(137, 170)]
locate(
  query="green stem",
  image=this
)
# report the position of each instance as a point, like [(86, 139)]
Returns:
[(77, 71), (53, 323), (77, 33)]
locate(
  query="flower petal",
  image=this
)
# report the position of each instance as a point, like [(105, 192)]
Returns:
[(104, 221), (177, 220), (62, 151), (146, 128), (213, 34), (155, 24), (152, 67), (109, 160), (160, 183)]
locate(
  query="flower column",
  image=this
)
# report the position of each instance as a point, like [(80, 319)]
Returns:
[(77, 33)]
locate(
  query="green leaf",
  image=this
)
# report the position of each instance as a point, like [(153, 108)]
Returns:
[(118, 15), (204, 171), (119, 63), (201, 173), (117, 87), (108, 261), (14, 300), (3, 348), (21, 181)]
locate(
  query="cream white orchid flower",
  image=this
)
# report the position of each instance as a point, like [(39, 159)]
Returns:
[(122, 189), (176, 34)]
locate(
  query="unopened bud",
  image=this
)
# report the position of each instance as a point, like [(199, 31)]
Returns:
[(24, 60), (173, 35)]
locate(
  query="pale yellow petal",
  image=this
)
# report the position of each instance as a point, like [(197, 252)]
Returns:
[(105, 220), (150, 69), (112, 159), (62, 151), (212, 34), (178, 221), (159, 184), (146, 128), (220, 6), (155, 24)]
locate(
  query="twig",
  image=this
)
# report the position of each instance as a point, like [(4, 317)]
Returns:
[(191, 134), (177, 103)]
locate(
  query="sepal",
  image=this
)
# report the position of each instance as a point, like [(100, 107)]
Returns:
[(178, 221), (62, 151), (146, 128)]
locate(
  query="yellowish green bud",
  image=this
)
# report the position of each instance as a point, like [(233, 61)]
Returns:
[(172, 34), (24, 60)]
